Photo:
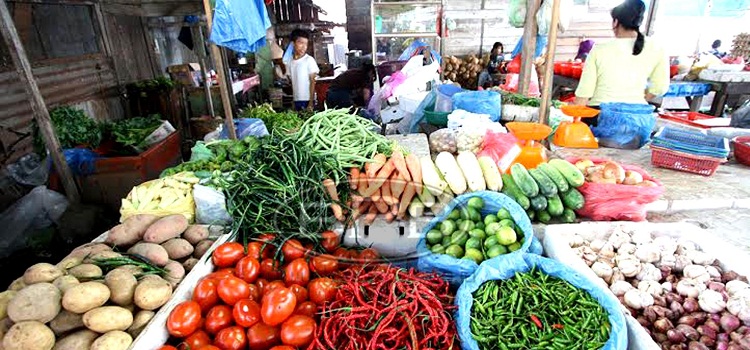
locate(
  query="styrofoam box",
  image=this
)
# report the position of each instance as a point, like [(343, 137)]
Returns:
[(556, 238), (397, 239)]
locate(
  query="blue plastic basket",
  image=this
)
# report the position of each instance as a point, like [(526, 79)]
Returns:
[(691, 142)]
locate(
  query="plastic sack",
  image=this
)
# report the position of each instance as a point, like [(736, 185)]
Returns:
[(613, 202), (511, 84), (245, 127), (541, 44), (741, 117), (416, 49), (480, 102), (445, 92), (506, 266), (240, 25), (517, 13), (82, 161), (456, 270), (460, 117), (201, 152), (502, 148), (624, 125), (210, 206), (39, 209), (418, 117), (443, 140), (544, 16), (30, 170)]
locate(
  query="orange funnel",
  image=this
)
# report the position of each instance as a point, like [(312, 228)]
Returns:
[(576, 134), (529, 135)]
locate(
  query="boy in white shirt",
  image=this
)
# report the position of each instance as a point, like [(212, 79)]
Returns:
[(302, 70)]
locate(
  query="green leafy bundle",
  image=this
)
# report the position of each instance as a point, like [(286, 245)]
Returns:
[(133, 132), (72, 127)]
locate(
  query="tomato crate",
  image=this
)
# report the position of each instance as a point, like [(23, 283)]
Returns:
[(695, 119), (742, 149)]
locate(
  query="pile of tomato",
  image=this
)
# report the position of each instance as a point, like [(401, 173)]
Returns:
[(255, 301)]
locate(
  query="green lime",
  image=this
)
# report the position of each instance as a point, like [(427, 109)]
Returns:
[(476, 203), (492, 228), (446, 241), (477, 233), (438, 249), (507, 222), (503, 214), (490, 219), (455, 214), (460, 238), (491, 241), (464, 212), (480, 225), (434, 236), (515, 246), (474, 254), (496, 250), (447, 227), (474, 243), (455, 251), (466, 226), (506, 235), (475, 215)]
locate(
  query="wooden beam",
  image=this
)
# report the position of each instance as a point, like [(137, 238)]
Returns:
[(122, 9), (651, 19), (529, 46), (219, 65), (38, 107), (199, 47), (549, 67)]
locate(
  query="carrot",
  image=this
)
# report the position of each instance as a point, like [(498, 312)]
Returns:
[(330, 186), (415, 169), (397, 185), (400, 162), (394, 209), (389, 217), (378, 161), (354, 178), (385, 192), (356, 201), (362, 183), (409, 193), (382, 207), (364, 208), (376, 182), (371, 215)]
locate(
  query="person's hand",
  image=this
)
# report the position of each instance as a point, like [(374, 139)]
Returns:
[(310, 106)]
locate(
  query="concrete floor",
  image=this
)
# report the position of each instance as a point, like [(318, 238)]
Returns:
[(730, 225)]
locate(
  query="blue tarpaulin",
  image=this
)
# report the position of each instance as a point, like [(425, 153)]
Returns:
[(240, 25)]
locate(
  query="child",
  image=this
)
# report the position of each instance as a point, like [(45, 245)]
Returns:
[(302, 70)]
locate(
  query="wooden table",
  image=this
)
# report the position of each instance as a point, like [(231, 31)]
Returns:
[(724, 91)]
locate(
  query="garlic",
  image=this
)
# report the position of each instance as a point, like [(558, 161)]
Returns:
[(648, 253), (629, 266), (626, 248), (618, 238), (667, 286), (587, 254), (711, 301), (619, 288), (597, 244), (616, 275), (689, 288), (576, 241), (736, 287), (667, 260), (700, 258), (602, 270), (649, 272), (680, 262), (651, 287), (641, 237), (607, 250), (697, 273), (740, 307), (713, 271), (685, 247), (667, 245), (637, 299)]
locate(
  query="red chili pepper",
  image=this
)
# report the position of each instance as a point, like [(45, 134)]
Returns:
[(536, 321), (558, 326)]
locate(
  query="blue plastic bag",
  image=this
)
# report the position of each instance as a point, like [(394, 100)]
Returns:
[(456, 270), (82, 161), (240, 25), (246, 127), (505, 266), (412, 50), (480, 102), (624, 125), (541, 44)]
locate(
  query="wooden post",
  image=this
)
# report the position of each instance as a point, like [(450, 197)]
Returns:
[(219, 65), (199, 46), (549, 68), (529, 46), (38, 107)]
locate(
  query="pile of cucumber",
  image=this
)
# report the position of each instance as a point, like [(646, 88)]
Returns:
[(548, 192)]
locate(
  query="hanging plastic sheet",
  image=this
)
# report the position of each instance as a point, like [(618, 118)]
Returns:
[(541, 44), (415, 49), (240, 25)]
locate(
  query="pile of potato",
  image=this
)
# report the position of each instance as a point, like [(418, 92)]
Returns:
[(75, 305), (465, 71)]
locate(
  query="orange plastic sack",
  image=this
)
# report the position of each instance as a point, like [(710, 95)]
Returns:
[(612, 202)]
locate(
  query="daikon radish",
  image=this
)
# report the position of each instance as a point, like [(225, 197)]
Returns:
[(471, 170), (448, 166), (431, 178)]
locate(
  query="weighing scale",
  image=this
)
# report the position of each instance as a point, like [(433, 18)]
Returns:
[(576, 134), (529, 136)]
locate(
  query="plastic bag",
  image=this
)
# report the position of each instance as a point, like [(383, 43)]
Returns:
[(460, 117), (624, 125), (443, 140), (741, 117), (502, 148), (456, 270), (613, 202), (30, 170), (245, 127), (416, 49), (480, 102), (544, 16), (418, 117), (201, 152), (210, 206), (506, 266), (517, 12), (240, 25), (39, 209), (511, 84), (82, 161)]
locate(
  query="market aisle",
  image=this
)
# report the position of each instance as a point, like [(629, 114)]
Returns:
[(731, 225)]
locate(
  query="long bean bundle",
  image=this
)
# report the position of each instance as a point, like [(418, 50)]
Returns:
[(535, 311)]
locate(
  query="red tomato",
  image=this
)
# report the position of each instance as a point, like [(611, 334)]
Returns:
[(283, 347), (218, 318), (309, 249), (307, 308), (270, 269), (248, 269), (167, 347), (343, 256), (261, 283), (232, 289), (220, 274), (292, 249), (368, 255), (267, 237), (277, 306), (324, 265), (298, 331), (246, 313), (299, 292), (321, 290), (232, 338), (254, 250), (205, 294), (196, 340), (185, 319), (330, 241), (297, 272), (263, 337), (273, 285), (206, 347), (255, 293), (228, 254)]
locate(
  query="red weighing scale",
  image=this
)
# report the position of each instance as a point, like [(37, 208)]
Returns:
[(529, 136), (576, 134)]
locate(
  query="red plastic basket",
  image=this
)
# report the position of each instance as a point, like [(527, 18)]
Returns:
[(742, 149), (688, 118), (669, 159)]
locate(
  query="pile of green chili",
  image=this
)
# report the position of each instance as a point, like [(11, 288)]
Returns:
[(535, 311)]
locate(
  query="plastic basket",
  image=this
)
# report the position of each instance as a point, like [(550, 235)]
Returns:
[(436, 118), (691, 142), (687, 118), (742, 149), (669, 159)]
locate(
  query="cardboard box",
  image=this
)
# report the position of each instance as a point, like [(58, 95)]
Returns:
[(188, 74)]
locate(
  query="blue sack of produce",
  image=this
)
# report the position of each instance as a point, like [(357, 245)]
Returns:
[(245, 127), (479, 102), (473, 228), (625, 125), (551, 310)]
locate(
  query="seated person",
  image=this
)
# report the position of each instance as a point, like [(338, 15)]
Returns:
[(352, 88)]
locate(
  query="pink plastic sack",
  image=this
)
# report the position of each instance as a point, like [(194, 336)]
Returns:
[(502, 148), (613, 202), (511, 84)]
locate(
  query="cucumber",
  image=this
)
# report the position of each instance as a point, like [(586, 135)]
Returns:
[(555, 176), (569, 171), (531, 214), (524, 180), (573, 199), (568, 216), (543, 216), (546, 186), (539, 203), (555, 205), (511, 189)]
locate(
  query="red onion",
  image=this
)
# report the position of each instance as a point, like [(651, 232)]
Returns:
[(742, 330), (707, 340), (660, 338), (745, 343), (660, 301), (734, 346), (690, 305), (723, 337), (662, 325), (714, 317), (643, 321), (677, 347), (729, 323), (666, 271), (672, 279), (722, 345), (689, 320), (694, 345), (688, 331), (716, 286), (735, 337), (674, 297), (675, 336), (729, 276), (707, 331), (713, 325), (650, 314)]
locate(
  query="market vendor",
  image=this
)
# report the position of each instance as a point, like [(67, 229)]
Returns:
[(352, 88), (619, 70), (494, 66)]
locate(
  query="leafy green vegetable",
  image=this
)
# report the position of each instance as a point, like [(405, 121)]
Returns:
[(133, 132), (143, 88), (510, 98), (282, 121), (72, 127)]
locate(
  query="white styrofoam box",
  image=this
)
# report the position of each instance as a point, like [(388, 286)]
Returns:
[(414, 143), (392, 114), (410, 103), (556, 238), (724, 76), (397, 239)]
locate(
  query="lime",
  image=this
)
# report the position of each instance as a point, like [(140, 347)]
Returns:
[(515, 246), (474, 254), (492, 228), (503, 214), (447, 227), (455, 251), (434, 236), (508, 223), (475, 215), (479, 225), (455, 214), (476, 203), (477, 233), (459, 237), (466, 226), (490, 219), (491, 241), (496, 250), (446, 241), (506, 235), (474, 243), (438, 249)]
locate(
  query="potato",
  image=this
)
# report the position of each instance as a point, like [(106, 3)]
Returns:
[(140, 320), (130, 308), (5, 298), (80, 340), (131, 231), (177, 248), (151, 294), (115, 340), (37, 302), (88, 249), (189, 264), (29, 335), (121, 285), (5, 325), (66, 321), (175, 273), (63, 283), (151, 251), (70, 262), (195, 233), (150, 277), (85, 296), (107, 254), (166, 228), (41, 272), (135, 270), (85, 271), (17, 284), (202, 247), (108, 318)]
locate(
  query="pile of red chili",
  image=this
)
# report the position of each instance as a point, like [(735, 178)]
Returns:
[(384, 307)]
